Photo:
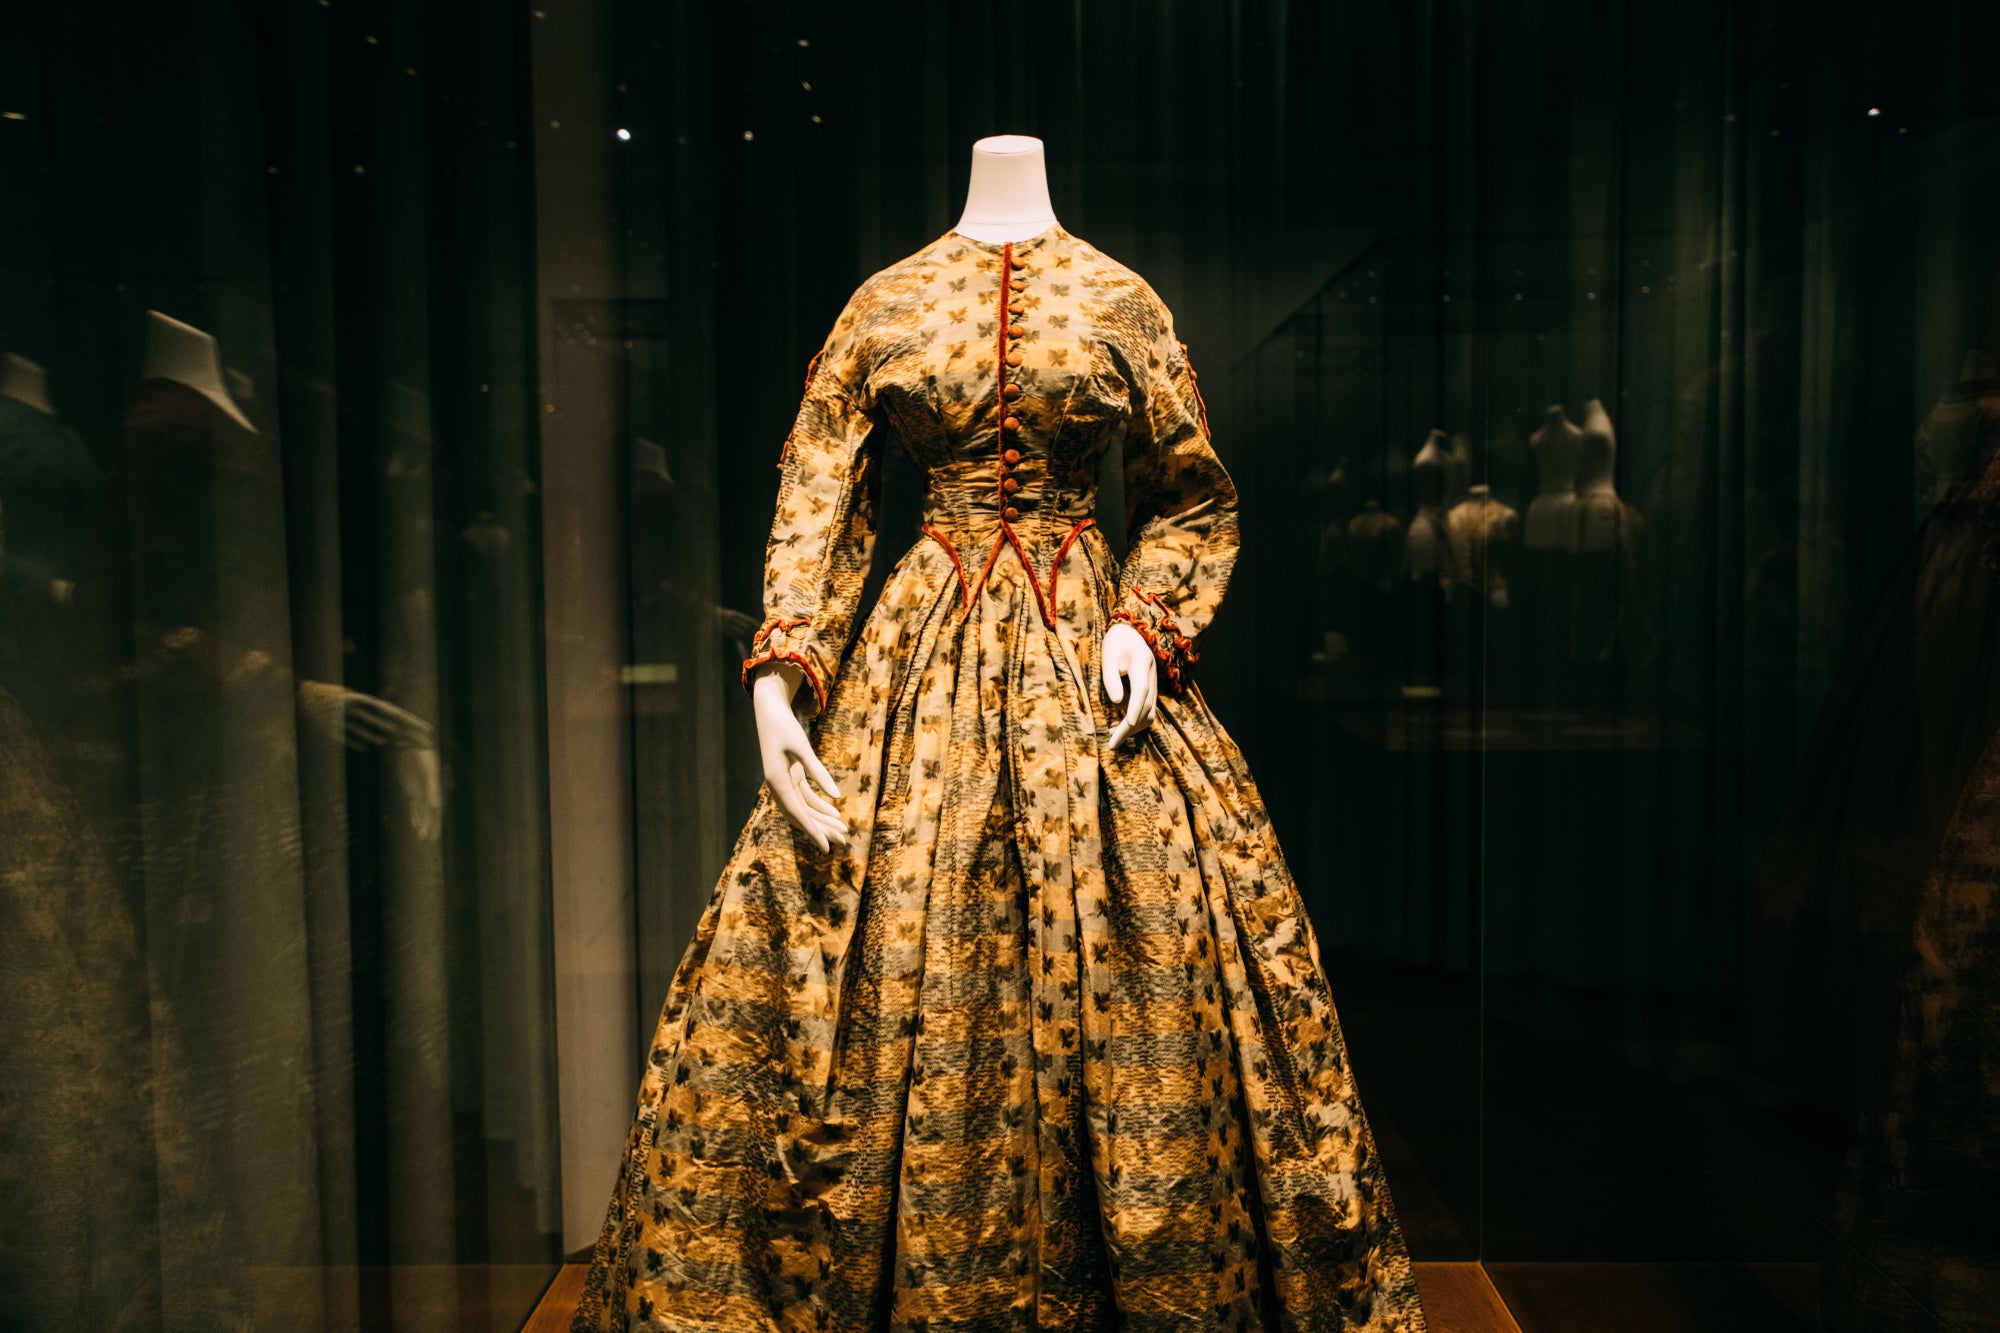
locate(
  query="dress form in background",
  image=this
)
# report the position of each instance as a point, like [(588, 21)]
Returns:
[(1376, 538), (1551, 522), (1607, 621), (1482, 532), (1427, 552), (49, 486), (186, 355), (25, 382), (1427, 572), (1548, 542), (1601, 515)]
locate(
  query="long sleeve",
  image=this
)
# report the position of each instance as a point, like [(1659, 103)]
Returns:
[(1180, 509), (823, 534)]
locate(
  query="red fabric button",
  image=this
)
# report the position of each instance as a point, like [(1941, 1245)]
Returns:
[(1012, 455), (1010, 485), (1011, 391), (1016, 331), (1011, 423), (1018, 284), (1010, 513), (1014, 358)]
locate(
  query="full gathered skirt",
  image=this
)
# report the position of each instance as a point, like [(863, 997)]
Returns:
[(1048, 1046)]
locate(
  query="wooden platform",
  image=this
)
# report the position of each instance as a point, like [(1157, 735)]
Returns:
[(1457, 1297)]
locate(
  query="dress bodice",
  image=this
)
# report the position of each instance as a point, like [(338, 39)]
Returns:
[(1005, 370), (1057, 364)]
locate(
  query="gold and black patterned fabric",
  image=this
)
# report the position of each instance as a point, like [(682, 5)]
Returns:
[(1049, 1044)]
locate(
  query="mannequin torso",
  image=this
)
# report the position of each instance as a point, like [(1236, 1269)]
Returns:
[(1426, 553), (24, 382), (1602, 518), (1551, 524)]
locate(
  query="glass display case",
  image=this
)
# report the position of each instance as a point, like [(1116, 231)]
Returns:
[(391, 420)]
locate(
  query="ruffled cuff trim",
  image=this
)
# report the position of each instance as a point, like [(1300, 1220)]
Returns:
[(1176, 652), (786, 639)]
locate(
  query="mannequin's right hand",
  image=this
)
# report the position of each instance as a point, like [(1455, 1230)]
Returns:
[(799, 783)]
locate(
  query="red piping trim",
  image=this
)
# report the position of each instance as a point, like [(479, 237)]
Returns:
[(799, 660), (964, 591), (1028, 568), (780, 624), (1055, 566), (991, 556)]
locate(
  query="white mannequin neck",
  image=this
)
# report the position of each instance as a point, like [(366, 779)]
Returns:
[(1008, 197), (184, 354), (25, 382)]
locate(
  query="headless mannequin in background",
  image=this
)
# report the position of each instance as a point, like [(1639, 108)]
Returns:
[(1426, 552), (184, 354), (1482, 530), (25, 382), (1606, 617), (1008, 200), (48, 486), (1603, 519), (1551, 524)]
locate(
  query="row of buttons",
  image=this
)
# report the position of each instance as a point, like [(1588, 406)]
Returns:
[(1012, 308)]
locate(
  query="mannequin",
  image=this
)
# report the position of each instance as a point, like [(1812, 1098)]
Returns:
[(1007, 200), (1607, 621), (48, 492), (25, 382), (1481, 530), (1602, 518), (1375, 537), (1427, 553), (1551, 524), (184, 354)]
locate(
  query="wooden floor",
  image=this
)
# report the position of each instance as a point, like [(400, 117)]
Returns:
[(1457, 1298)]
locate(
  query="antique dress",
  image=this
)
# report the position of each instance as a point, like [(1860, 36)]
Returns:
[(1048, 1045)]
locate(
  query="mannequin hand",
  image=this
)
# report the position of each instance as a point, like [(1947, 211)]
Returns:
[(422, 783), (373, 722), (1129, 667), (789, 760)]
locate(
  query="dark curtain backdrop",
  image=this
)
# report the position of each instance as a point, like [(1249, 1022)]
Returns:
[(278, 971), (1708, 769)]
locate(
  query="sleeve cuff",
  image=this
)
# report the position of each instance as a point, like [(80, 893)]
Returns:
[(785, 639), (1176, 652)]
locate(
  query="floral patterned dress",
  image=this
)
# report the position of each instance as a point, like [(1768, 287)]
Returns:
[(1048, 1045)]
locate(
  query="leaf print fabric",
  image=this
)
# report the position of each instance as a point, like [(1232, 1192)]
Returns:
[(1049, 1044)]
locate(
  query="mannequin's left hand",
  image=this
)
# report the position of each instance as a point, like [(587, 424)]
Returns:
[(1131, 676)]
